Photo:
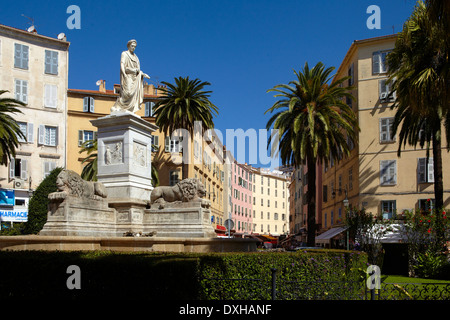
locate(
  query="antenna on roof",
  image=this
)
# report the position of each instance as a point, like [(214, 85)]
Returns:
[(32, 28)]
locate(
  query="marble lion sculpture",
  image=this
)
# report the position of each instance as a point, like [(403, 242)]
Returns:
[(70, 183), (186, 190)]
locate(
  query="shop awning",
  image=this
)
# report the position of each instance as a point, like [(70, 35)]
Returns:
[(329, 234)]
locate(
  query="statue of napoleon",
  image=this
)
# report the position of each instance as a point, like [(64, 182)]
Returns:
[(131, 81)]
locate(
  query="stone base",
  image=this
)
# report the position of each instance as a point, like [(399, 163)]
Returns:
[(75, 216), (126, 244), (180, 220)]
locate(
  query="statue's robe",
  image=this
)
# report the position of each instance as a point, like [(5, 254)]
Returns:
[(132, 89)]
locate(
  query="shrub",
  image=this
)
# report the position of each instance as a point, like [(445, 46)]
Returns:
[(38, 205), (312, 274), (115, 275)]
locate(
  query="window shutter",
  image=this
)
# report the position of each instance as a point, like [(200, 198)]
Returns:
[(30, 133), (56, 134), (375, 62), (41, 134), (80, 137), (383, 89), (383, 130), (48, 61), (430, 170), (54, 95), (167, 144), (18, 93), (24, 91), (24, 57), (147, 109), (12, 168), (23, 169), (47, 95), (55, 62), (152, 104), (91, 105), (17, 56), (156, 141), (85, 104), (421, 170)]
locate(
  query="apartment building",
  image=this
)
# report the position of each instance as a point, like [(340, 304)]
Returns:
[(242, 198), (373, 176), (270, 202), (34, 69)]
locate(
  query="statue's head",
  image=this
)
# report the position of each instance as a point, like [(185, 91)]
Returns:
[(132, 45)]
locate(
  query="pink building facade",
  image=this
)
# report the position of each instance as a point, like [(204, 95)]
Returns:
[(241, 198)]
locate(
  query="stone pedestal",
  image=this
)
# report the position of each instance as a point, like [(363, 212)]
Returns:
[(75, 216), (124, 155), (180, 220)]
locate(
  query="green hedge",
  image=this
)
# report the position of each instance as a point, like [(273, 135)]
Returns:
[(106, 275)]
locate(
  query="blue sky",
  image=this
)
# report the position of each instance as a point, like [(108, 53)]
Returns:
[(243, 48)]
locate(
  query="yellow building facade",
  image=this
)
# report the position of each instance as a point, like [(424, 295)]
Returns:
[(374, 177)]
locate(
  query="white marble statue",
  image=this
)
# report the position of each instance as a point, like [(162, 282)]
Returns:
[(131, 81)]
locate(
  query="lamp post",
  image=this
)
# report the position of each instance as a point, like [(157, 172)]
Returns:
[(346, 205)]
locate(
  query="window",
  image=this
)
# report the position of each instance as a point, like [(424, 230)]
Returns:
[(51, 62), (155, 143), (21, 90), (351, 73), (388, 209), (425, 172), (426, 205), (84, 135), (48, 167), (174, 177), (50, 96), (175, 146), (388, 172), (379, 64), (88, 104), (332, 218), (149, 109), (385, 93), (48, 136), (275, 216), (27, 130), (268, 215), (21, 56), (18, 169), (325, 224), (386, 130)]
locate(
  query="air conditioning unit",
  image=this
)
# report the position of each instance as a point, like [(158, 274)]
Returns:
[(19, 184), (383, 96)]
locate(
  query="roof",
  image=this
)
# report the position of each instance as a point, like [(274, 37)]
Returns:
[(108, 93), (34, 34)]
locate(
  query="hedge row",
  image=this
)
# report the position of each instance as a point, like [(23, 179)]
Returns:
[(104, 274)]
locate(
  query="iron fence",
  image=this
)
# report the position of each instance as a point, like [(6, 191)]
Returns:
[(275, 288)]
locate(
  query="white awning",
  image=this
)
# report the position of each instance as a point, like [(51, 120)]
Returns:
[(329, 234)]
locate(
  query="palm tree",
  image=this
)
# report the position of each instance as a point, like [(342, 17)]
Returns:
[(419, 72), (90, 168), (9, 129), (313, 122), (181, 105)]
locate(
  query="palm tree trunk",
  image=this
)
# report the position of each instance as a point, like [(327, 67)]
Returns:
[(437, 166), (311, 199), (438, 184)]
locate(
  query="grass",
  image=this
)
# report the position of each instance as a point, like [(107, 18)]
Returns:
[(403, 279)]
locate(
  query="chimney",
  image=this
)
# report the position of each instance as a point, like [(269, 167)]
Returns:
[(102, 86)]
